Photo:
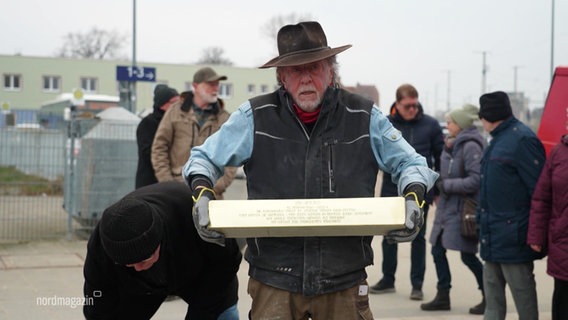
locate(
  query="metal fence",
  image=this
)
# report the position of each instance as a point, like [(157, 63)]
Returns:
[(31, 184), (56, 183)]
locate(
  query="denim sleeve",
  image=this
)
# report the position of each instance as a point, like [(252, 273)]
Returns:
[(396, 156), (230, 146)]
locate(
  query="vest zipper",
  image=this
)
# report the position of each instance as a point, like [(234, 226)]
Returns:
[(330, 165), (298, 120)]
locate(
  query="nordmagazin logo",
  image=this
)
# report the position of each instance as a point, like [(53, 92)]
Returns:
[(72, 302)]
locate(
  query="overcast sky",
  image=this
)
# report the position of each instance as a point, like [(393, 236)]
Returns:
[(422, 42)]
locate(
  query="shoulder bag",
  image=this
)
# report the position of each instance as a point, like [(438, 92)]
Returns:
[(468, 224)]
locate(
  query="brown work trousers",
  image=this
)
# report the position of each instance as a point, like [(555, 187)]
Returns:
[(271, 303)]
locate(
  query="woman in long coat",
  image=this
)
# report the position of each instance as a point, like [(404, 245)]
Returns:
[(548, 222), (459, 177)]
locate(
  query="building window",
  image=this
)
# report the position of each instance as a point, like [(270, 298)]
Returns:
[(51, 83), (263, 88), (89, 84), (12, 82), (225, 90), (251, 89)]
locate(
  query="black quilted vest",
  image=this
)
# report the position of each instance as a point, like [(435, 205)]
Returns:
[(334, 161)]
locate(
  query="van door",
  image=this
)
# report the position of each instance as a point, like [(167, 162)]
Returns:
[(554, 121)]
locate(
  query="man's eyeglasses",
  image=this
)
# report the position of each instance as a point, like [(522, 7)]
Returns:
[(410, 106)]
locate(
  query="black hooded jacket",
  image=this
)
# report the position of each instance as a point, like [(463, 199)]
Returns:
[(424, 134)]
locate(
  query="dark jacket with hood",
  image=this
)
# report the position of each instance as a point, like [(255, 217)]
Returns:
[(510, 167), (548, 223), (425, 135), (201, 273)]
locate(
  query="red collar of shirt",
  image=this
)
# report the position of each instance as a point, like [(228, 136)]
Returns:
[(305, 116)]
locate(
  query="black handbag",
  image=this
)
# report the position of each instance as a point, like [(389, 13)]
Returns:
[(468, 223)]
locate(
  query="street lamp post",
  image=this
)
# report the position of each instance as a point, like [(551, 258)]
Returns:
[(448, 103), (484, 73), (515, 68), (552, 43), (133, 83)]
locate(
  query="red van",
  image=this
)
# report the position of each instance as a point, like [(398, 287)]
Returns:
[(554, 122)]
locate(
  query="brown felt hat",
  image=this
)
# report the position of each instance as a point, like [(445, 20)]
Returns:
[(302, 43)]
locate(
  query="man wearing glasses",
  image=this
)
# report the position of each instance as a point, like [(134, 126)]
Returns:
[(424, 133)]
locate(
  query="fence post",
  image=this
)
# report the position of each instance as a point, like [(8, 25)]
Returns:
[(72, 132)]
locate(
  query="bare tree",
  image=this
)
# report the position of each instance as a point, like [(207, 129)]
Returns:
[(214, 56), (271, 27), (93, 44)]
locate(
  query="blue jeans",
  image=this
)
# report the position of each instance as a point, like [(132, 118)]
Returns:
[(417, 258), (520, 279), (443, 268), (231, 313)]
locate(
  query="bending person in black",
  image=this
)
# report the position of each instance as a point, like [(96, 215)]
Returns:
[(145, 247)]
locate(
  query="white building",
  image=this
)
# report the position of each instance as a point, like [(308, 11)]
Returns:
[(29, 82)]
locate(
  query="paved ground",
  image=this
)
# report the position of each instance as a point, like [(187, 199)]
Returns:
[(43, 280)]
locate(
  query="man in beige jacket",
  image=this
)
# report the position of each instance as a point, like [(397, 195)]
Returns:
[(187, 124)]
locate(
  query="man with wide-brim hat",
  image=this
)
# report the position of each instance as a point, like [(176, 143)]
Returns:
[(308, 139), (302, 43)]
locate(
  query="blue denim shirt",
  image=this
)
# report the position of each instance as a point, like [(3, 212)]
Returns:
[(232, 146)]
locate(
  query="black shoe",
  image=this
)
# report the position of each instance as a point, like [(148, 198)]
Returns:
[(416, 294), (382, 287), (478, 309), (440, 302)]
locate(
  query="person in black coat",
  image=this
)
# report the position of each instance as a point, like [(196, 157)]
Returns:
[(164, 96), (424, 134), (145, 247), (510, 168)]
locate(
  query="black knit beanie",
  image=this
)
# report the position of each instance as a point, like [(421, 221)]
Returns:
[(163, 94), (495, 106), (130, 231)]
